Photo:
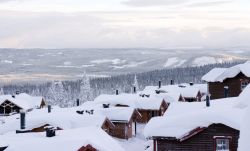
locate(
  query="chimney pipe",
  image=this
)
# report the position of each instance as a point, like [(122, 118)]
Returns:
[(49, 108), (22, 120), (207, 101), (50, 131), (171, 82), (77, 102), (159, 84), (134, 90), (116, 92), (226, 91)]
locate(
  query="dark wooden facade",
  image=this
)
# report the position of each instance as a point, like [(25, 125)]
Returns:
[(216, 89), (87, 148), (202, 139), (7, 107), (108, 126), (42, 128), (43, 103), (146, 115), (194, 99)]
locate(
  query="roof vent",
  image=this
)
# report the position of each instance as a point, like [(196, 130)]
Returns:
[(105, 105), (50, 131), (80, 112)]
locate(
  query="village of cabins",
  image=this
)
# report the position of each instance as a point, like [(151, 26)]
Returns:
[(176, 117)]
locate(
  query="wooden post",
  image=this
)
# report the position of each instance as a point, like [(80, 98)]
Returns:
[(154, 144), (135, 128)]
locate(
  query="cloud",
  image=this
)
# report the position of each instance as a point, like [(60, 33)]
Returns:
[(100, 30), (211, 3), (141, 3), (4, 1), (192, 3)]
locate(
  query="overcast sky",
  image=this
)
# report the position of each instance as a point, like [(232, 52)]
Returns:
[(124, 23)]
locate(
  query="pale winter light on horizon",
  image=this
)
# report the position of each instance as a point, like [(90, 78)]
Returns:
[(124, 23)]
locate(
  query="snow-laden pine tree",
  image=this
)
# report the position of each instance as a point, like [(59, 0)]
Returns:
[(135, 84), (85, 89), (35, 92), (1, 91), (57, 94)]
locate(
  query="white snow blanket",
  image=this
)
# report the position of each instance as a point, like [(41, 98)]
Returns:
[(65, 140)]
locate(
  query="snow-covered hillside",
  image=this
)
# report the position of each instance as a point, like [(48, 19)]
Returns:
[(70, 63)]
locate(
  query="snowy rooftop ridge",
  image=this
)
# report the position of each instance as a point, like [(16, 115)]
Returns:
[(220, 74), (185, 90), (152, 102)]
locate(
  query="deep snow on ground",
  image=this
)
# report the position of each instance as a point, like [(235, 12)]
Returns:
[(137, 143)]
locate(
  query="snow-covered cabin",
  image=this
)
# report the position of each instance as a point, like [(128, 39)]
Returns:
[(10, 104), (181, 92), (205, 129), (148, 106), (227, 82), (82, 139), (194, 126), (124, 118)]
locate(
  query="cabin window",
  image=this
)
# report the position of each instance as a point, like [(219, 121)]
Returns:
[(244, 84), (222, 144)]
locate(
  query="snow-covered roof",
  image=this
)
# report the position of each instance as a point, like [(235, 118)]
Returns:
[(116, 113), (183, 117), (152, 102), (65, 140), (180, 126), (182, 108), (64, 118), (185, 90), (23, 100), (220, 74)]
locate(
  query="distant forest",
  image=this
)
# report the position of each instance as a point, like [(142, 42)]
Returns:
[(87, 89)]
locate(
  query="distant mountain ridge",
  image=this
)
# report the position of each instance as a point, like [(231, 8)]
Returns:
[(65, 64)]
